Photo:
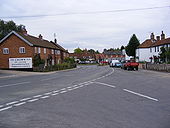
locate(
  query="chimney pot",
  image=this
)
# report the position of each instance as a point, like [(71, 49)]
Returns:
[(40, 37), (162, 36), (152, 36), (157, 38)]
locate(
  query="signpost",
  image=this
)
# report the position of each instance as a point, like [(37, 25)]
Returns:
[(20, 62)]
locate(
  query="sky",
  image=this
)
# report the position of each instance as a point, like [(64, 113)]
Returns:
[(91, 24)]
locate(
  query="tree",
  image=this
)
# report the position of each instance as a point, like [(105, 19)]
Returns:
[(122, 47), (168, 55), (97, 52), (7, 27), (162, 55), (132, 46), (78, 50), (91, 51)]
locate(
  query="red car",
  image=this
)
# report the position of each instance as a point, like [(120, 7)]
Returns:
[(130, 65)]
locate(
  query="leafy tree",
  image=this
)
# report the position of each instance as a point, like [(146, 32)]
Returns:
[(132, 46), (69, 60), (122, 47), (78, 50), (91, 51), (37, 60), (97, 52), (168, 54), (7, 27), (163, 54)]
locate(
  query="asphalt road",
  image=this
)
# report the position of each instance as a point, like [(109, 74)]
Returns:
[(87, 97)]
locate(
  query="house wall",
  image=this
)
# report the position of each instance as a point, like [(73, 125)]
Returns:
[(143, 54), (13, 43)]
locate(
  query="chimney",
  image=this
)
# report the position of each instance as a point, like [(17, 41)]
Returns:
[(40, 37), (23, 30), (162, 36), (152, 36), (157, 38), (55, 41)]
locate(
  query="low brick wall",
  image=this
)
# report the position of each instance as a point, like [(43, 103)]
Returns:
[(156, 67)]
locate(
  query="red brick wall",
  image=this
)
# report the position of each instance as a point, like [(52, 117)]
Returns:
[(13, 43)]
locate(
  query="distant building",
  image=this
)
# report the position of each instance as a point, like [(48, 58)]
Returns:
[(17, 50), (150, 48)]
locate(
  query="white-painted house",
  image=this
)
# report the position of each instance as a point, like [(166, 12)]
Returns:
[(150, 48)]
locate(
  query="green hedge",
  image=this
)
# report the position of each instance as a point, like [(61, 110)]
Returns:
[(56, 67)]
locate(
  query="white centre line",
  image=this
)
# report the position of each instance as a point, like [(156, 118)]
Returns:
[(62, 92), (48, 93), (7, 85), (55, 91), (12, 103), (3, 109), (37, 96), (54, 94), (19, 104), (112, 86), (148, 97), (44, 97), (24, 99), (1, 106), (33, 100)]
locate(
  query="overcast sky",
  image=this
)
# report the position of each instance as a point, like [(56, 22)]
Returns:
[(76, 28)]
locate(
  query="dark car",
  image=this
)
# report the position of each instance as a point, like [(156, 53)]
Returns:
[(118, 64)]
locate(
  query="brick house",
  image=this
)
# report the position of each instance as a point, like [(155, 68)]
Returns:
[(22, 47)]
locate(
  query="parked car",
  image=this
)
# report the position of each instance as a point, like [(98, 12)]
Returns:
[(112, 63), (118, 64), (130, 65)]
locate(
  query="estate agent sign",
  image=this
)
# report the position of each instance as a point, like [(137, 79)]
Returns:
[(20, 62)]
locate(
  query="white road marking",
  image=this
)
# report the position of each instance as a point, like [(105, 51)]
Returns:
[(62, 89), (12, 103), (1, 106), (54, 94), (24, 99), (55, 91), (106, 84), (37, 96), (33, 100), (7, 85), (62, 92), (48, 93), (19, 104), (44, 97), (69, 87), (148, 97), (3, 109)]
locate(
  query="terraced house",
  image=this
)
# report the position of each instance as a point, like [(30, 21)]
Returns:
[(151, 48), (17, 50)]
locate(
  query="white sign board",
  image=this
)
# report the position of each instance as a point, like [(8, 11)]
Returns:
[(20, 62)]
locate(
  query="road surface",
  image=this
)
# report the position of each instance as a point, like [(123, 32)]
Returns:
[(87, 97)]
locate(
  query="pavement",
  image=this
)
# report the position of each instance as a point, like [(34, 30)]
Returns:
[(87, 97)]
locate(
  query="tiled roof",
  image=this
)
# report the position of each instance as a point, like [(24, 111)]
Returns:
[(148, 43), (161, 42), (38, 42)]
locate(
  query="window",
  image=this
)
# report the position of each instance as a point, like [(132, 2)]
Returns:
[(5, 50), (39, 50), (150, 49), (155, 49), (22, 50), (52, 51), (45, 50), (158, 49), (35, 49), (57, 52)]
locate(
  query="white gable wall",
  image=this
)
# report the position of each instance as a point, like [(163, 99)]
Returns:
[(143, 54)]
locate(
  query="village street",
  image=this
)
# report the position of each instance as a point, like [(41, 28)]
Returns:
[(86, 97)]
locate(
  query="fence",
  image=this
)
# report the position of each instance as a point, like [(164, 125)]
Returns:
[(156, 67)]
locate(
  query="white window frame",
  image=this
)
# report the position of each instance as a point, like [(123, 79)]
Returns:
[(52, 51), (39, 50), (45, 50), (57, 52), (22, 50), (5, 50)]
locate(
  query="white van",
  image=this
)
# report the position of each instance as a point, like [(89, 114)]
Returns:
[(112, 64)]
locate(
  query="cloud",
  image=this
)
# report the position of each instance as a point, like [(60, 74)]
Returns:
[(96, 31)]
